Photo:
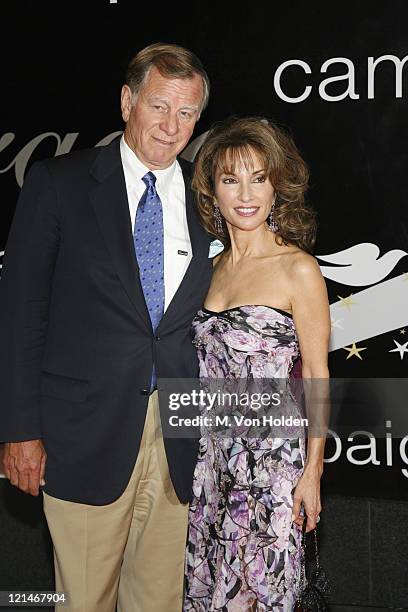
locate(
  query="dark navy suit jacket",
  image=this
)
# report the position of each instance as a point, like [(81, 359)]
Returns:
[(77, 346)]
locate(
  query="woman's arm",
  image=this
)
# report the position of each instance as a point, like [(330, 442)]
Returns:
[(311, 317)]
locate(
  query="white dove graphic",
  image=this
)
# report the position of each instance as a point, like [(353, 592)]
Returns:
[(360, 264)]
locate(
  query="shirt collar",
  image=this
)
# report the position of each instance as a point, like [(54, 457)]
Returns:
[(135, 169)]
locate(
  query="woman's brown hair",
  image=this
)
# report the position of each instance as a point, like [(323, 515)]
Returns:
[(233, 142)]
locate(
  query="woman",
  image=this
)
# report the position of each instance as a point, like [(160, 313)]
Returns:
[(266, 307)]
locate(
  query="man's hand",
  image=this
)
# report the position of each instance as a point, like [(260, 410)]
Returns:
[(24, 464)]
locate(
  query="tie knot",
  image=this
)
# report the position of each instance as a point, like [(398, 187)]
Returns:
[(149, 179)]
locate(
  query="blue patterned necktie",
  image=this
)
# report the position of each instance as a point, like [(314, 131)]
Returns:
[(148, 239), (149, 247)]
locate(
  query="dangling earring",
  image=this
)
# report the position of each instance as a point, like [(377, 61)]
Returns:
[(273, 225), (218, 221)]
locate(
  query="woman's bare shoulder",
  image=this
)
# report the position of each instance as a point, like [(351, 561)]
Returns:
[(302, 265)]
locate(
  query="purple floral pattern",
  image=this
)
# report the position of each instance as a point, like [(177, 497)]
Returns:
[(243, 551)]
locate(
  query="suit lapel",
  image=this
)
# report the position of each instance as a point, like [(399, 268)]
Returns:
[(199, 238), (110, 203)]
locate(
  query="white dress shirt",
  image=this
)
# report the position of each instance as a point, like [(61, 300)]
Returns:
[(171, 190)]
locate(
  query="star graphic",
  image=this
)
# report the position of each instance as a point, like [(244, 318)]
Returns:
[(353, 350), (347, 302), (403, 332), (401, 349), (336, 324)]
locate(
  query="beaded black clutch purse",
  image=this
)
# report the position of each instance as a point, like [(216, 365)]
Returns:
[(315, 590)]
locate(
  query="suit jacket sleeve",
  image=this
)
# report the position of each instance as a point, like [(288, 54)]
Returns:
[(25, 293)]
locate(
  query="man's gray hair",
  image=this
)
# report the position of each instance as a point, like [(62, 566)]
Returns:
[(172, 61)]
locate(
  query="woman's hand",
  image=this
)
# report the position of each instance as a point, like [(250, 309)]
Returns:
[(307, 491)]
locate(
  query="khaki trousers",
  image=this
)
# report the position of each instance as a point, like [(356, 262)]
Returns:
[(129, 552)]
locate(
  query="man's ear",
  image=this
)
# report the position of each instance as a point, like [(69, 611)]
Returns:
[(126, 102)]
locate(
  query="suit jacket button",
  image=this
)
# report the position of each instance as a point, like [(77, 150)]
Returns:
[(157, 338), (144, 392)]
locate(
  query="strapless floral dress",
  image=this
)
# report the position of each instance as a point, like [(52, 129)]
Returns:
[(243, 551)]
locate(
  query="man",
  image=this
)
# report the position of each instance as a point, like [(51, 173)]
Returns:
[(105, 267)]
